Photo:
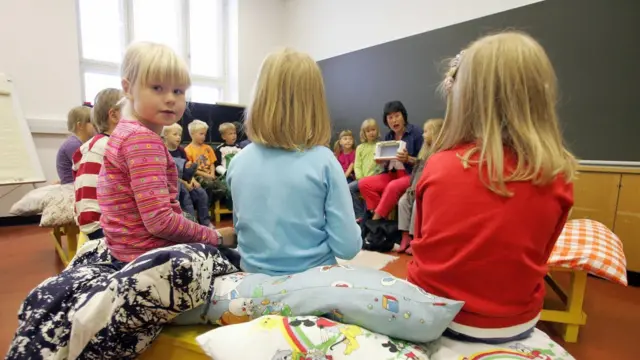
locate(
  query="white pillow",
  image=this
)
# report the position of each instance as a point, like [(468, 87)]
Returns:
[(32, 202), (274, 337), (58, 207), (536, 346), (308, 337)]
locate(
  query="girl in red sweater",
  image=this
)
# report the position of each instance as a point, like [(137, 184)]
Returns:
[(494, 197)]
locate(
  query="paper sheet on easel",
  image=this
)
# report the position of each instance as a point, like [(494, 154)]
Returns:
[(19, 163)]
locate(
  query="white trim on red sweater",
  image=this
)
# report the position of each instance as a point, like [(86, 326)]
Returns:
[(496, 333)]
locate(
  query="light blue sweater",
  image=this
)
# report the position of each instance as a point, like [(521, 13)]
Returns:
[(291, 210)]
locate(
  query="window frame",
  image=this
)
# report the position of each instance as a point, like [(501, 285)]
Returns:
[(126, 36)]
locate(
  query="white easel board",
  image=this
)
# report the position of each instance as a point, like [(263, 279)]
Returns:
[(19, 162)]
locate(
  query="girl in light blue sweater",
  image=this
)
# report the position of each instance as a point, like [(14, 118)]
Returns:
[(292, 209)]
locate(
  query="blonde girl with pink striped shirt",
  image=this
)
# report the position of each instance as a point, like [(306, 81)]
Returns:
[(138, 184)]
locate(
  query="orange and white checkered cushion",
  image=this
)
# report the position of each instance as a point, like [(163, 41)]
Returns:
[(590, 246)]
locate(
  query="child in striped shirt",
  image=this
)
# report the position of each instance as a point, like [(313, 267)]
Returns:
[(138, 184), (87, 161)]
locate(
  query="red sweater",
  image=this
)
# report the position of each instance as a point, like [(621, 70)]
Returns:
[(490, 251)]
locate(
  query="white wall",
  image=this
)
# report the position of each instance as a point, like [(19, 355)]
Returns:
[(261, 29), (327, 28), (39, 47), (39, 50)]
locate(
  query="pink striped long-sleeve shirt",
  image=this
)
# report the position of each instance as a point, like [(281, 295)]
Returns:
[(137, 190)]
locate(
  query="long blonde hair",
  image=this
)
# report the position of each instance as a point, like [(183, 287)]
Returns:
[(337, 148), (434, 127), (366, 125), (501, 92), (289, 109), (147, 62)]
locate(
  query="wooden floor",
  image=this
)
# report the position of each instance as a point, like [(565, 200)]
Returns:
[(613, 322)]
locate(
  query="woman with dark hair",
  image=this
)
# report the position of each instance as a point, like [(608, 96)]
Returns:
[(381, 192)]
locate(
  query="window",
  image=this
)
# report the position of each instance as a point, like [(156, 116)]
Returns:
[(194, 28), (94, 82)]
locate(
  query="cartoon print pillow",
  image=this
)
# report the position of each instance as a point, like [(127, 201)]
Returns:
[(537, 347), (365, 297), (274, 337)]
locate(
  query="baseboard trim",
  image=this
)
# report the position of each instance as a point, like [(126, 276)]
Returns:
[(19, 220)]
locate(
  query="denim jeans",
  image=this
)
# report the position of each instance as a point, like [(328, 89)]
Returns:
[(358, 202), (193, 200)]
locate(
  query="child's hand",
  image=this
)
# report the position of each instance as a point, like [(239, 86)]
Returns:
[(229, 238), (188, 164), (188, 186), (195, 184)]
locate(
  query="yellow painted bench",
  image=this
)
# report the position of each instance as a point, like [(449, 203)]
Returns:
[(68, 234), (219, 210), (572, 317)]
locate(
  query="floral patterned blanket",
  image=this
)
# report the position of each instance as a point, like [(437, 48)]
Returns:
[(101, 308)]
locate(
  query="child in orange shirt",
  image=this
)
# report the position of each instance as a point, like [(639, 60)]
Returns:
[(203, 155)]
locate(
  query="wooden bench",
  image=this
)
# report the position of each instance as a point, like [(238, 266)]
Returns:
[(69, 234), (219, 210), (572, 317)]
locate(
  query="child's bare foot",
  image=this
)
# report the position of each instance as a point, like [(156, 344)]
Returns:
[(405, 243), (229, 238), (409, 250)]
